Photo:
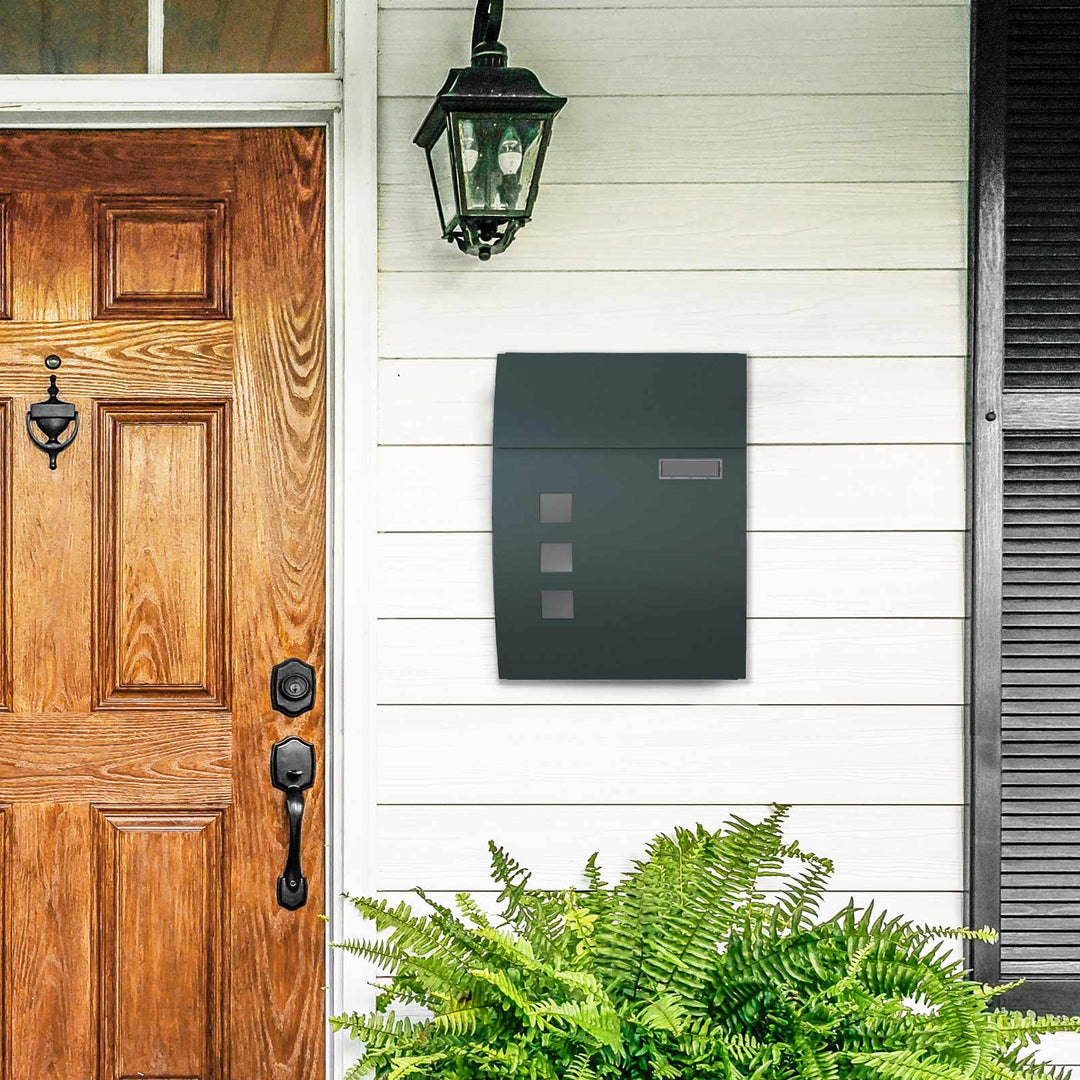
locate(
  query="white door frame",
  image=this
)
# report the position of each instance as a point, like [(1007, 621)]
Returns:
[(344, 102)]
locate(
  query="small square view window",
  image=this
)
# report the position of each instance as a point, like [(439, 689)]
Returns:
[(556, 603), (556, 508)]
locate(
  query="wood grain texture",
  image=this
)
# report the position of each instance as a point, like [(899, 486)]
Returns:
[(890, 138), (789, 662), (50, 1034), (161, 493), (161, 953), (6, 594), (5, 974), (1040, 411), (987, 260), (777, 226), (52, 254), (803, 488), (798, 399), (655, 754), (280, 557), (774, 313), (103, 358), (188, 162), (747, 51), (879, 847), (52, 548), (5, 256), (180, 758), (790, 575), (158, 257)]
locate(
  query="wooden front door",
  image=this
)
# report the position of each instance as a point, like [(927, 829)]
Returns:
[(149, 584)]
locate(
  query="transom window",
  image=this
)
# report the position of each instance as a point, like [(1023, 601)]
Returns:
[(88, 37)]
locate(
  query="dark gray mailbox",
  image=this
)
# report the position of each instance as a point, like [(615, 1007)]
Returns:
[(619, 516)]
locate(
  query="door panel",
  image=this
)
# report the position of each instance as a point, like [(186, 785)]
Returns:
[(162, 499), (159, 257), (147, 587), (162, 960)]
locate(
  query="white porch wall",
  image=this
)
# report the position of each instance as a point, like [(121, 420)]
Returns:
[(787, 180)]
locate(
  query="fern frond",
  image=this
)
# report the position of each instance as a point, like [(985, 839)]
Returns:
[(666, 1013)]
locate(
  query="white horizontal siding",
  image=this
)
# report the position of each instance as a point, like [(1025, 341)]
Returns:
[(791, 399), (743, 51), (802, 575), (784, 313), (626, 226), (784, 180), (695, 755), (790, 662)]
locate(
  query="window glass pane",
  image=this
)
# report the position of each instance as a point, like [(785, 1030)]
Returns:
[(246, 35), (63, 37)]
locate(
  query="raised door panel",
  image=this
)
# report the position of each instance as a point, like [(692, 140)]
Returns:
[(161, 909), (161, 257), (162, 622)]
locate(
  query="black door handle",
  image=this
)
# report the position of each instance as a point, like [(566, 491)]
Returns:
[(292, 770)]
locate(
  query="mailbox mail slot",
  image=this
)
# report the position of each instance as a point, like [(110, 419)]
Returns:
[(607, 563)]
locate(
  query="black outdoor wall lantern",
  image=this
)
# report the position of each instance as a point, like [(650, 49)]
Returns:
[(485, 137)]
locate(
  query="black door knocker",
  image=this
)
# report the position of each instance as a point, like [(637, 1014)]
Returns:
[(52, 418)]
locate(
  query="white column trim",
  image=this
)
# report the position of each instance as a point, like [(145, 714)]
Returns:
[(155, 37)]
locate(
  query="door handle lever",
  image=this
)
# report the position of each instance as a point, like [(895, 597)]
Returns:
[(292, 770)]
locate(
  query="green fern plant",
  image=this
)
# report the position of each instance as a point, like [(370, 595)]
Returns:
[(707, 961)]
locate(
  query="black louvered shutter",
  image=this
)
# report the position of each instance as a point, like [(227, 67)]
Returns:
[(1025, 867)]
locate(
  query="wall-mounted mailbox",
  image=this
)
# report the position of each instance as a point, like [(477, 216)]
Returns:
[(619, 516)]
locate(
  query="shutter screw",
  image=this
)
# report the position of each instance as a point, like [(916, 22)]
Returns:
[(991, 416)]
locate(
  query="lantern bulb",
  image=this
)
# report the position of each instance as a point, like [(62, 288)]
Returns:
[(510, 155), (470, 153)]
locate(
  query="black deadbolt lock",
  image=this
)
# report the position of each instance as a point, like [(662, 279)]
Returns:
[(292, 687)]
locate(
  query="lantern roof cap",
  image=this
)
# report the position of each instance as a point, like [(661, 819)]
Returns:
[(486, 88)]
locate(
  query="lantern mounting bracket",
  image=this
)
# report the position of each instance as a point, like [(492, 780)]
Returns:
[(487, 50)]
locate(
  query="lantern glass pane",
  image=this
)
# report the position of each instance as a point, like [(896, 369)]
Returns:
[(498, 154), (443, 171)]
